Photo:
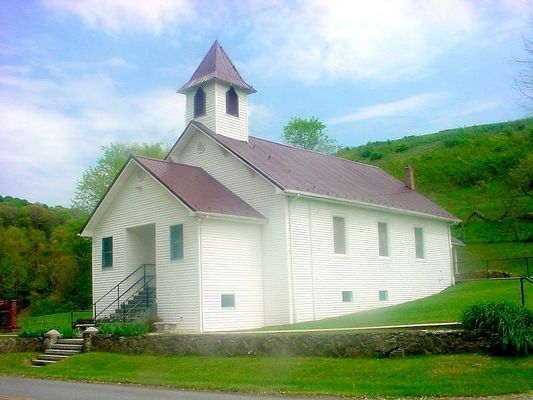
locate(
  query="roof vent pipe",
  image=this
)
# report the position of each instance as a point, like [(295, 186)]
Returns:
[(409, 177)]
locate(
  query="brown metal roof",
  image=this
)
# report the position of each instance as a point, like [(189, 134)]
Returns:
[(197, 189), (216, 65), (291, 168)]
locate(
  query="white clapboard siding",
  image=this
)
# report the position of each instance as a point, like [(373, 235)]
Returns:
[(261, 195), (140, 203), (320, 276), (231, 264), (229, 125)]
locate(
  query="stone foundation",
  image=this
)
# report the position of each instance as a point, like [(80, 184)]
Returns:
[(373, 344), (21, 345)]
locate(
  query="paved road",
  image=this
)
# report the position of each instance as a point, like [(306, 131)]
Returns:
[(13, 388)]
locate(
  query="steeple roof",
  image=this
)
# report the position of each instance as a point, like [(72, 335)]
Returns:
[(216, 65)]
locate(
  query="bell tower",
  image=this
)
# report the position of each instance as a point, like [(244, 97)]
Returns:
[(217, 96)]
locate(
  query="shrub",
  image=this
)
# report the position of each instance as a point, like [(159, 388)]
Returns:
[(124, 329), (366, 153), (401, 148), (66, 332), (376, 156), (512, 324)]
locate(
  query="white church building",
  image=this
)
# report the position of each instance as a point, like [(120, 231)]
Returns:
[(235, 232)]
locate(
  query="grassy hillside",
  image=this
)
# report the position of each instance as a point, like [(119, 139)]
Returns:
[(467, 171)]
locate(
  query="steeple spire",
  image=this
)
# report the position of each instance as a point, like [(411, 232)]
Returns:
[(217, 65)]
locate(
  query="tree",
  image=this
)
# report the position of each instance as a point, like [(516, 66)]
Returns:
[(522, 176), (524, 80), (97, 179), (309, 134)]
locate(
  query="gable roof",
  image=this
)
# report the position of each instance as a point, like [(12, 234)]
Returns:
[(216, 65), (297, 170), (197, 189)]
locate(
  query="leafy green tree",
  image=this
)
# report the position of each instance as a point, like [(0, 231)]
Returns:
[(309, 134), (522, 176), (98, 178)]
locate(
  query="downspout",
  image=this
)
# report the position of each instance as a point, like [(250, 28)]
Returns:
[(311, 259), (450, 247), (200, 279), (289, 199)]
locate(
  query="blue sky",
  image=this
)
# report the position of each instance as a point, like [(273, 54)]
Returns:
[(77, 75)]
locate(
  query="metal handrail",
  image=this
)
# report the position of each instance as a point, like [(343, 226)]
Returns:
[(522, 279), (117, 287), (134, 306)]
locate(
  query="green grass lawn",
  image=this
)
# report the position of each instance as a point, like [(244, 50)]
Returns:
[(51, 321), (450, 375), (442, 307)]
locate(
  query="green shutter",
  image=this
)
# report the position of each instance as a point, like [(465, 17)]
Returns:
[(107, 252), (176, 242), (419, 242)]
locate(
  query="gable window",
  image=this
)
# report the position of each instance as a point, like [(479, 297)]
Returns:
[(176, 242), (232, 102), (227, 300), (107, 252), (347, 296), (339, 236), (419, 242), (383, 238), (199, 103)]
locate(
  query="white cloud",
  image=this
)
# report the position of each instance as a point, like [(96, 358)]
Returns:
[(51, 131), (383, 110), (118, 62), (378, 40), (125, 15)]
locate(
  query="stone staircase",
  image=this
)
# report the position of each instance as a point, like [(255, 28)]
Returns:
[(58, 351), (138, 307)]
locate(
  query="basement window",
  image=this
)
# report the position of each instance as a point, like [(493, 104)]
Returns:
[(383, 295), (419, 243), (107, 252), (227, 300), (339, 236), (176, 242), (383, 238), (347, 296)]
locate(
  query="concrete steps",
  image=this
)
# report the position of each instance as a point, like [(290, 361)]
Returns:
[(64, 348)]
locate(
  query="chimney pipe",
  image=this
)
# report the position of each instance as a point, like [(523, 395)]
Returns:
[(409, 177)]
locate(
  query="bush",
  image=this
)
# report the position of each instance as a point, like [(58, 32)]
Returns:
[(376, 156), (366, 153), (124, 329), (66, 332), (401, 148), (512, 324)]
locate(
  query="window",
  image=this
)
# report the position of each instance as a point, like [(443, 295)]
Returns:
[(347, 296), (176, 242), (383, 238), (199, 103), (339, 236), (383, 295), (232, 102), (107, 252), (227, 300), (419, 242)]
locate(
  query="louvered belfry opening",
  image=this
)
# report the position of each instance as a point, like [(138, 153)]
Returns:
[(199, 103), (232, 102)]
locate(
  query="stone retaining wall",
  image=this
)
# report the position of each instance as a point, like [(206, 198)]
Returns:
[(21, 345), (375, 344)]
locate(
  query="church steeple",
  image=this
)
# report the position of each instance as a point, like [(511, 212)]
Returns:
[(217, 95)]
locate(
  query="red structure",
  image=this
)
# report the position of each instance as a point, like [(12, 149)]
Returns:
[(8, 315)]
